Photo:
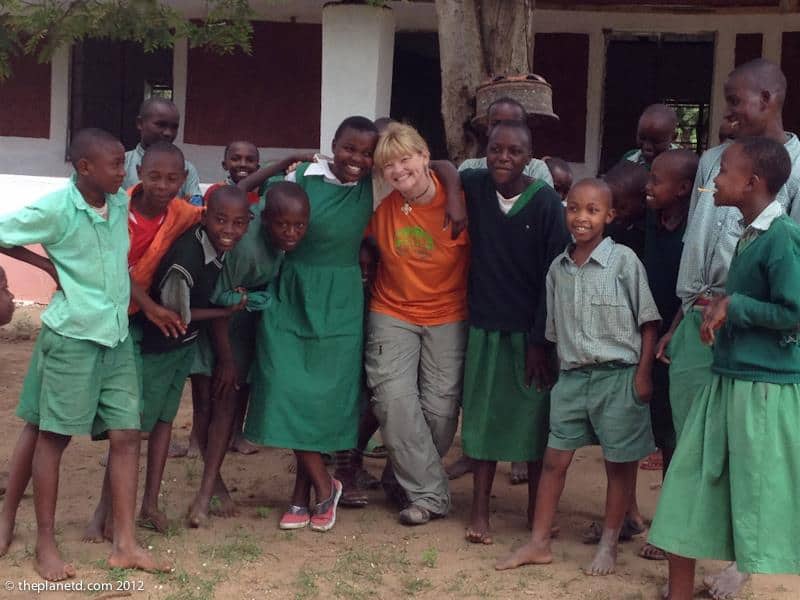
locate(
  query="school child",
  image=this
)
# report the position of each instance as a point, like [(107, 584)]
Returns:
[(516, 228), (85, 372), (655, 134), (508, 109), (158, 121), (239, 159), (6, 299), (279, 224), (668, 191), (627, 181), (603, 320), (730, 492), (562, 175), (156, 219), (754, 95)]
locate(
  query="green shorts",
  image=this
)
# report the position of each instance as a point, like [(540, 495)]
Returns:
[(80, 387), (163, 377), (732, 491), (242, 334), (599, 405)]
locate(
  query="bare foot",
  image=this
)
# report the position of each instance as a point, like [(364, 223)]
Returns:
[(50, 565), (605, 560), (153, 519), (221, 504), (727, 583), (198, 513), (460, 467), (6, 535), (242, 446), (478, 536), (94, 533), (529, 554), (177, 450), (137, 558), (519, 473), (194, 449)]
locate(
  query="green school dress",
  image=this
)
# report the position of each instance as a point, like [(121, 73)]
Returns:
[(306, 379)]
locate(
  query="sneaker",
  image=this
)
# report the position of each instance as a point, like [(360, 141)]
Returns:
[(295, 517), (415, 515), (324, 516)]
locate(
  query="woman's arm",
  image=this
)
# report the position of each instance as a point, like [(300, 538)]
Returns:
[(255, 180)]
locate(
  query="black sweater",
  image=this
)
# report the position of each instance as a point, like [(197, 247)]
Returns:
[(510, 256)]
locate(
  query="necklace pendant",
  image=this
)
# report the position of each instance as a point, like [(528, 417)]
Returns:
[(406, 208)]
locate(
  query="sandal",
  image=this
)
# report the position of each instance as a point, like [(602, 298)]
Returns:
[(650, 552), (654, 462), (416, 515), (352, 497), (594, 532)]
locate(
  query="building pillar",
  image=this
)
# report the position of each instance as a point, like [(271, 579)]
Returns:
[(724, 59), (357, 61), (180, 62)]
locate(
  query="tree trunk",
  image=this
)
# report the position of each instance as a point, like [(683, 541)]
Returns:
[(477, 39)]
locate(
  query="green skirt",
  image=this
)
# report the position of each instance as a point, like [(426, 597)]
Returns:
[(503, 419), (690, 367), (732, 491)]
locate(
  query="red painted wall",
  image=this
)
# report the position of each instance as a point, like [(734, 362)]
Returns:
[(25, 99), (271, 97)]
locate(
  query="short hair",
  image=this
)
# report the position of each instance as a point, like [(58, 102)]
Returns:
[(554, 162), (770, 161), (358, 123), (226, 192), (234, 142), (518, 126), (382, 122), (661, 111), (147, 106), (597, 183), (766, 75), (626, 178), (161, 148), (282, 193), (88, 141), (511, 102), (685, 161), (398, 140)]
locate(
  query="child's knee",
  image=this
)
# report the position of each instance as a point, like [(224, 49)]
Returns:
[(124, 440)]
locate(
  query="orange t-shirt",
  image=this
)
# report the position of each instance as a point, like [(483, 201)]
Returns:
[(422, 273)]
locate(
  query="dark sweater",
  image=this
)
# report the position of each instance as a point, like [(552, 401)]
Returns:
[(760, 340), (510, 256), (186, 256), (662, 258)]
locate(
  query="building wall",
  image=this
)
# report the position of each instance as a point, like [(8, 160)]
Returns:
[(45, 156)]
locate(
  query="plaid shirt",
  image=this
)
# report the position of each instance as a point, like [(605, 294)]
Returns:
[(594, 311), (713, 231)]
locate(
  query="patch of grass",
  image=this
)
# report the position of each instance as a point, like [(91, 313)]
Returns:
[(191, 471), (414, 585), (192, 587), (262, 512), (214, 504), (306, 583), (241, 548), (429, 557)]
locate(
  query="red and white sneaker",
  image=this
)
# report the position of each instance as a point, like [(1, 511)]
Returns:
[(295, 517), (324, 516)]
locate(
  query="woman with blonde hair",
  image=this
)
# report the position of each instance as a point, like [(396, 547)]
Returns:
[(416, 338)]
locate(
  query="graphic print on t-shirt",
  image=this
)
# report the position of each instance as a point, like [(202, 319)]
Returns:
[(414, 241)]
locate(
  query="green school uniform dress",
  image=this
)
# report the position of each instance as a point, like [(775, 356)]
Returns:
[(306, 378), (503, 418), (732, 491)]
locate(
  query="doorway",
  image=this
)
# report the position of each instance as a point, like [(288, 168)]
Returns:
[(672, 69)]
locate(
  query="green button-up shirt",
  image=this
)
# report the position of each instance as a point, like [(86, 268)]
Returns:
[(595, 311), (90, 255)]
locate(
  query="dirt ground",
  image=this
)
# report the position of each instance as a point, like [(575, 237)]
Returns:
[(367, 554)]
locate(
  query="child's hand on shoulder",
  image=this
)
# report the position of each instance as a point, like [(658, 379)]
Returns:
[(714, 317), (297, 159), (643, 385)]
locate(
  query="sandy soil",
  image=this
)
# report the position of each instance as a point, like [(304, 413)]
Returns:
[(367, 555)]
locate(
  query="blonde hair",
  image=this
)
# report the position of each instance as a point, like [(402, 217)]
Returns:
[(398, 140)]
